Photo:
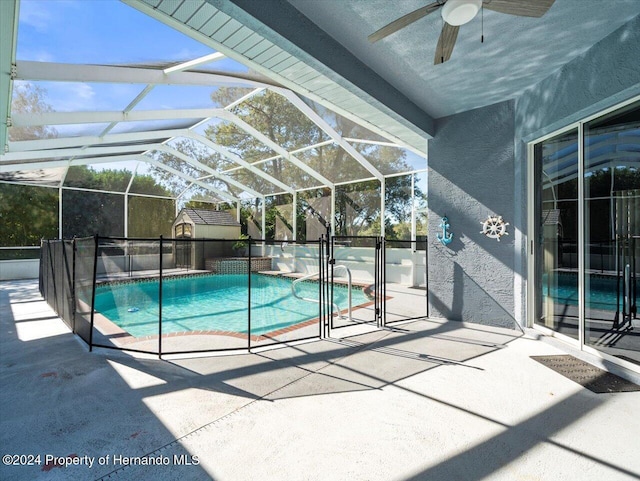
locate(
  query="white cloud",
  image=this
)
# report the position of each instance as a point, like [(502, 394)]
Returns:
[(72, 96), (44, 56), (36, 15), (84, 91), (45, 14)]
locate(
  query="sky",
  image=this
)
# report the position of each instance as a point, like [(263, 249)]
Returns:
[(111, 32), (107, 32)]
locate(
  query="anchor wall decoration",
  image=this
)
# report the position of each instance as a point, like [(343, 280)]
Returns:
[(446, 237)]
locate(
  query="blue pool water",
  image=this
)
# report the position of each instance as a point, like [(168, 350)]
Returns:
[(213, 303), (602, 291)]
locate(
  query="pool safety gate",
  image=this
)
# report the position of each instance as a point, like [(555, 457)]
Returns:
[(73, 272)]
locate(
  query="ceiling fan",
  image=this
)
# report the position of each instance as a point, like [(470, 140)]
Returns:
[(458, 12)]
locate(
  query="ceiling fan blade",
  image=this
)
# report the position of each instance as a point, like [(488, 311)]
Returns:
[(446, 42), (404, 21), (522, 8)]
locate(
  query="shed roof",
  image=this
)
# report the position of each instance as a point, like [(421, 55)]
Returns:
[(210, 217)]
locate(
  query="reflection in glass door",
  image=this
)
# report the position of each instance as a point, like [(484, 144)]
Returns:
[(556, 171), (612, 233), (591, 172)]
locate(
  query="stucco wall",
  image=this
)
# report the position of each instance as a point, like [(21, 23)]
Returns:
[(471, 172), (478, 165), (607, 74)]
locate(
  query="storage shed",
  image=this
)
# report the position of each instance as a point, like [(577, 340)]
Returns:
[(203, 224)]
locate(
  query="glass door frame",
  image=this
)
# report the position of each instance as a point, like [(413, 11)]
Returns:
[(532, 259)]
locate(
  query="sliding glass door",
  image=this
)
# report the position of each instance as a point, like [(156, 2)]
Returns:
[(557, 221), (612, 232), (587, 233)]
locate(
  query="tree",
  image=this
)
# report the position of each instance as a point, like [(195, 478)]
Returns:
[(357, 205), (27, 213), (30, 99), (89, 213)]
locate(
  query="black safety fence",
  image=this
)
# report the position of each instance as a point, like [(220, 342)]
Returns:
[(285, 298), (406, 280), (173, 296), (84, 281), (56, 278), (357, 271), (179, 296)]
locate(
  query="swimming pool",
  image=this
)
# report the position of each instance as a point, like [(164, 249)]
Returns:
[(213, 303), (602, 291)]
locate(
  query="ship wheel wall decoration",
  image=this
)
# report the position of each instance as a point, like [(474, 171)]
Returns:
[(494, 227)]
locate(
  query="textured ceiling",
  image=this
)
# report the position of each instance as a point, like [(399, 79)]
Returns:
[(517, 52)]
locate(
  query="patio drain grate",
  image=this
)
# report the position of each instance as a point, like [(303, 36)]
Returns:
[(587, 375)]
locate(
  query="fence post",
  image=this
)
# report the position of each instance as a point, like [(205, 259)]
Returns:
[(249, 298), (426, 268), (321, 268), (384, 281), (160, 303), (41, 271), (320, 319), (73, 285), (93, 290), (376, 282)]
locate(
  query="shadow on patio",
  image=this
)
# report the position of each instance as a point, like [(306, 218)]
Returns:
[(371, 406)]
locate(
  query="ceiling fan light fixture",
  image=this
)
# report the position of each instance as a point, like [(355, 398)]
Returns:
[(459, 12)]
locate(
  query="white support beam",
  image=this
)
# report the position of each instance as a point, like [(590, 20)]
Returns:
[(222, 194), (413, 210), (383, 187), (142, 158), (196, 163), (294, 216), (145, 91), (63, 118), (302, 149), (375, 142), (16, 167), (147, 7), (133, 176), (333, 211), (264, 222), (212, 57), (243, 98), (273, 146), (330, 131), (68, 72), (66, 153), (67, 142), (31, 148), (8, 31), (235, 158), (51, 164)]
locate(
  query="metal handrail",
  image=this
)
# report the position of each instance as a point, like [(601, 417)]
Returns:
[(317, 301), (349, 286)]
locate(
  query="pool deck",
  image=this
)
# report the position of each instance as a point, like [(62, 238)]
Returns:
[(427, 399)]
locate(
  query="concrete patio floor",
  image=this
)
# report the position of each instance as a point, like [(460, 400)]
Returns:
[(426, 400)]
